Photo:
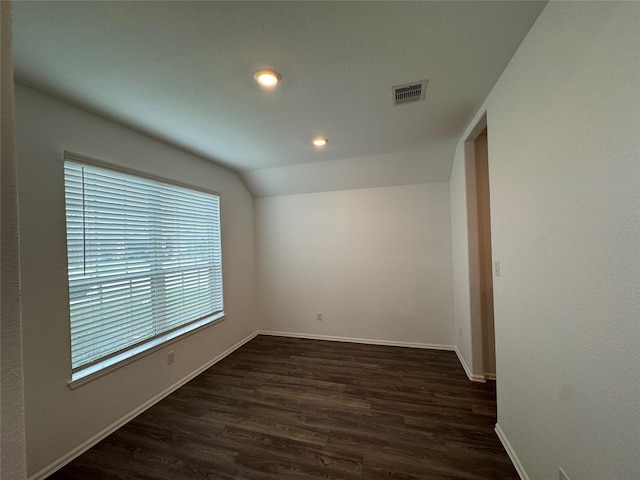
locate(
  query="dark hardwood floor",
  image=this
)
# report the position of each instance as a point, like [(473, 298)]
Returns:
[(285, 408)]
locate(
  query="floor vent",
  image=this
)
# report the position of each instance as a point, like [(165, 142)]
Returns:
[(409, 92)]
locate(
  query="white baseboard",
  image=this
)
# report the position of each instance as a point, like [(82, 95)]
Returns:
[(332, 338), (83, 447), (467, 370), (511, 452)]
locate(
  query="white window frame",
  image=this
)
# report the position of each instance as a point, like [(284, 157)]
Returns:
[(97, 367)]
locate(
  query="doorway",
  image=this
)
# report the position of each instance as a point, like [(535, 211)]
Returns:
[(480, 255)]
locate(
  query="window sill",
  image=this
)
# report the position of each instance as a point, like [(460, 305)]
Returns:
[(93, 372)]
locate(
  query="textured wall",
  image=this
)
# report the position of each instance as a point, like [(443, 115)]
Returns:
[(12, 443), (563, 124), (376, 262)]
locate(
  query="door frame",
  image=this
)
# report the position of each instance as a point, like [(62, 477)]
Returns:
[(475, 292)]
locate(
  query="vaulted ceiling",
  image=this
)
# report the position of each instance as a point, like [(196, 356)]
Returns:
[(183, 72)]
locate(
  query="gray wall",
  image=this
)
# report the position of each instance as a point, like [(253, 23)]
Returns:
[(12, 443)]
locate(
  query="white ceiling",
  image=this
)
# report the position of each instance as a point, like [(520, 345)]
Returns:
[(182, 72)]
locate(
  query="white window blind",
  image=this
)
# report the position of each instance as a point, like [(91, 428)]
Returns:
[(144, 260)]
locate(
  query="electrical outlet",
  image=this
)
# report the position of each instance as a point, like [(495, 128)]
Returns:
[(171, 357), (319, 316), (496, 266), (562, 475)]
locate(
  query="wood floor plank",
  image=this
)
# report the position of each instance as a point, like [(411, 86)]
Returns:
[(290, 408)]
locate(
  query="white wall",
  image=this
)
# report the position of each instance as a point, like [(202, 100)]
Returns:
[(460, 262), (564, 149), (57, 418), (467, 290), (376, 262)]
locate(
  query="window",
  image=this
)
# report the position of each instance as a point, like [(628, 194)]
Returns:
[(145, 263)]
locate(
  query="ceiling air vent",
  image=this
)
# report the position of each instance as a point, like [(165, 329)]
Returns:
[(409, 92)]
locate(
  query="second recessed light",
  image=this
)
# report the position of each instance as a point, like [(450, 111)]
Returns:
[(320, 141)]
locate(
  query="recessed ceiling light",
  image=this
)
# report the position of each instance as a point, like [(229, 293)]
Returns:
[(320, 141), (267, 78)]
